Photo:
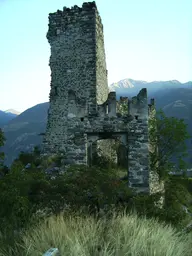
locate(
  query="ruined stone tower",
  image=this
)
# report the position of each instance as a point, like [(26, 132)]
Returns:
[(82, 110)]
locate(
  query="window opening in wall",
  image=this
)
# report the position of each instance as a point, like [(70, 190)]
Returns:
[(136, 117), (56, 91), (107, 108), (82, 119), (115, 156)]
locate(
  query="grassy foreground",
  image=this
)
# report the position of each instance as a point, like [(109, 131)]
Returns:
[(85, 235)]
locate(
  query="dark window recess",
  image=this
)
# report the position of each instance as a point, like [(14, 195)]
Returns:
[(56, 91), (136, 117), (107, 109), (82, 119)]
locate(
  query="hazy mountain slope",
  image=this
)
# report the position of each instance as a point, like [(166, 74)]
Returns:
[(33, 114), (164, 97), (5, 117), (22, 132)]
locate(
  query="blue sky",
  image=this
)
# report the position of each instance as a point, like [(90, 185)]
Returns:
[(144, 39)]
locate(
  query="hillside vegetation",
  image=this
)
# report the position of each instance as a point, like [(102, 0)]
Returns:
[(91, 210)]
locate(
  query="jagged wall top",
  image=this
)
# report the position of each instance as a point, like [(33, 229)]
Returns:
[(59, 20), (74, 9)]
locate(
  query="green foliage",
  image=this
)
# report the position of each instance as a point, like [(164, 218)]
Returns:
[(25, 158), (4, 170), (36, 151), (2, 138), (168, 137), (92, 187), (144, 205), (177, 195), (32, 158), (21, 194), (46, 161), (122, 107), (13, 197), (185, 181), (25, 191), (2, 141), (102, 161)]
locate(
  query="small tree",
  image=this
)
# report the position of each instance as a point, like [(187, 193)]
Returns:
[(30, 157), (168, 137)]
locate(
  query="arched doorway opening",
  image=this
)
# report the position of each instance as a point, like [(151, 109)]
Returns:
[(108, 151)]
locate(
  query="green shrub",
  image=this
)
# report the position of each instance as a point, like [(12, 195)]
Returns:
[(92, 187)]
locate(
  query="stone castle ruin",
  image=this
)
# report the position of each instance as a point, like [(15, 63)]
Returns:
[(82, 110)]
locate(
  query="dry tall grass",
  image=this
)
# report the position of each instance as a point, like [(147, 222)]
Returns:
[(119, 236)]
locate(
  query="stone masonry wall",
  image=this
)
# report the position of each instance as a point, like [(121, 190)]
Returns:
[(101, 71), (72, 37), (81, 111)]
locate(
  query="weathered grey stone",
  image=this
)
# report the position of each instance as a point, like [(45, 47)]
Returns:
[(28, 166), (82, 111), (52, 170)]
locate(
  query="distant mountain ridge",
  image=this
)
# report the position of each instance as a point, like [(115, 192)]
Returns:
[(126, 83), (130, 87), (175, 98), (130, 83), (6, 116), (12, 111)]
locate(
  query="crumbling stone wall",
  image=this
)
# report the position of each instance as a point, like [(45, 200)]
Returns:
[(101, 71), (82, 111)]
